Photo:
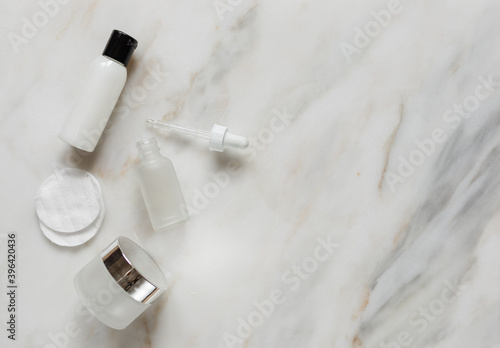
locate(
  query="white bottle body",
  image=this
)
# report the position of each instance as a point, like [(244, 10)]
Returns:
[(161, 192), (84, 125)]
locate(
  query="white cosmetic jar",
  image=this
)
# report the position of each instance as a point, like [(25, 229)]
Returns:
[(120, 283)]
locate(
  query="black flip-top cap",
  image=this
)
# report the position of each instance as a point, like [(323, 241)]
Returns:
[(120, 47)]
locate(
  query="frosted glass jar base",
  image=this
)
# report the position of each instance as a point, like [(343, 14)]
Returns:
[(119, 303)]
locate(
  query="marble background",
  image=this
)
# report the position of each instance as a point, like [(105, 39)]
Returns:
[(365, 213)]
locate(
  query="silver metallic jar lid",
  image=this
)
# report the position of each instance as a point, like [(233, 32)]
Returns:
[(121, 264)]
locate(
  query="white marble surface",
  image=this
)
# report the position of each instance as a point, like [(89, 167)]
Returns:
[(332, 172)]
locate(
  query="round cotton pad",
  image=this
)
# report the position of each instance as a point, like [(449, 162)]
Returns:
[(69, 200), (76, 238)]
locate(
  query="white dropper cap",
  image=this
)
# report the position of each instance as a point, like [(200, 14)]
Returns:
[(218, 140)]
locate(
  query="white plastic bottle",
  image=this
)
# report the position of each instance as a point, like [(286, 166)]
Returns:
[(160, 187), (106, 78)]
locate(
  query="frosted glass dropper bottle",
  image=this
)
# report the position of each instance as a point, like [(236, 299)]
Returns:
[(160, 187), (106, 78)]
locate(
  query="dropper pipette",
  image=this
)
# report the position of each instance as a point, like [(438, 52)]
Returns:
[(218, 139)]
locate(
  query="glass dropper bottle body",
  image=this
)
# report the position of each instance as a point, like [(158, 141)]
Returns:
[(160, 187)]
